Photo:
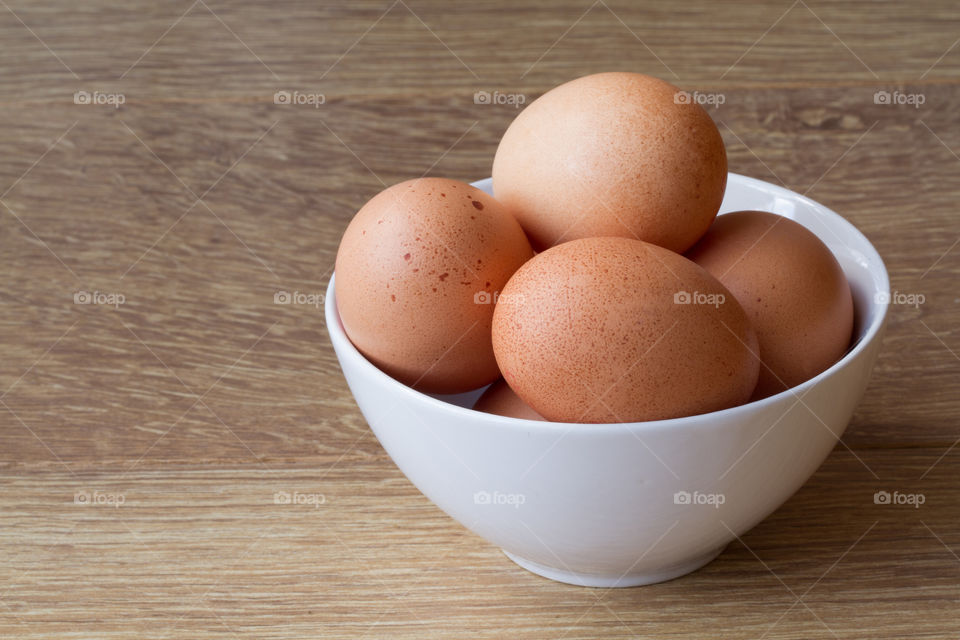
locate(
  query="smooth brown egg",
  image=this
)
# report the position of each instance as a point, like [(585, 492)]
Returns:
[(500, 399), (612, 154), (790, 285), (620, 330), (416, 274)]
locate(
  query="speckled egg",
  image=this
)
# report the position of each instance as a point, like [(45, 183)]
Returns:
[(790, 285), (612, 154), (499, 399), (416, 276), (620, 330)]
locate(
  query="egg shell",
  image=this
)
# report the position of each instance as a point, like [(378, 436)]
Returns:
[(416, 273), (499, 399), (612, 154), (620, 330), (790, 285)]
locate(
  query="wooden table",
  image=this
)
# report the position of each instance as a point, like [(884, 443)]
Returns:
[(144, 434)]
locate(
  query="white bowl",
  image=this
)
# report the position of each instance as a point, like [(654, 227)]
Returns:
[(616, 505)]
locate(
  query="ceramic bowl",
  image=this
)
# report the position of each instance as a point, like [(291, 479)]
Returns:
[(615, 505)]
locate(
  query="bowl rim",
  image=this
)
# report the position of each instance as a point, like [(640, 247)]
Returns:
[(870, 333)]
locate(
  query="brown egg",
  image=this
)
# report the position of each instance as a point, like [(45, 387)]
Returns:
[(499, 399), (417, 270), (790, 285), (620, 330), (612, 154)]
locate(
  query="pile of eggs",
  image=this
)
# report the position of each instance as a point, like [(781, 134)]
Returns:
[(599, 285)]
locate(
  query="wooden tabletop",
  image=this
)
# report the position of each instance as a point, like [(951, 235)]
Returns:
[(155, 198)]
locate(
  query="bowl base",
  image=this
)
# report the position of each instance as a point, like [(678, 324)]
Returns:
[(611, 581)]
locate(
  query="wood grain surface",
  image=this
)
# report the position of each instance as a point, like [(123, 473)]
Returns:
[(142, 438)]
